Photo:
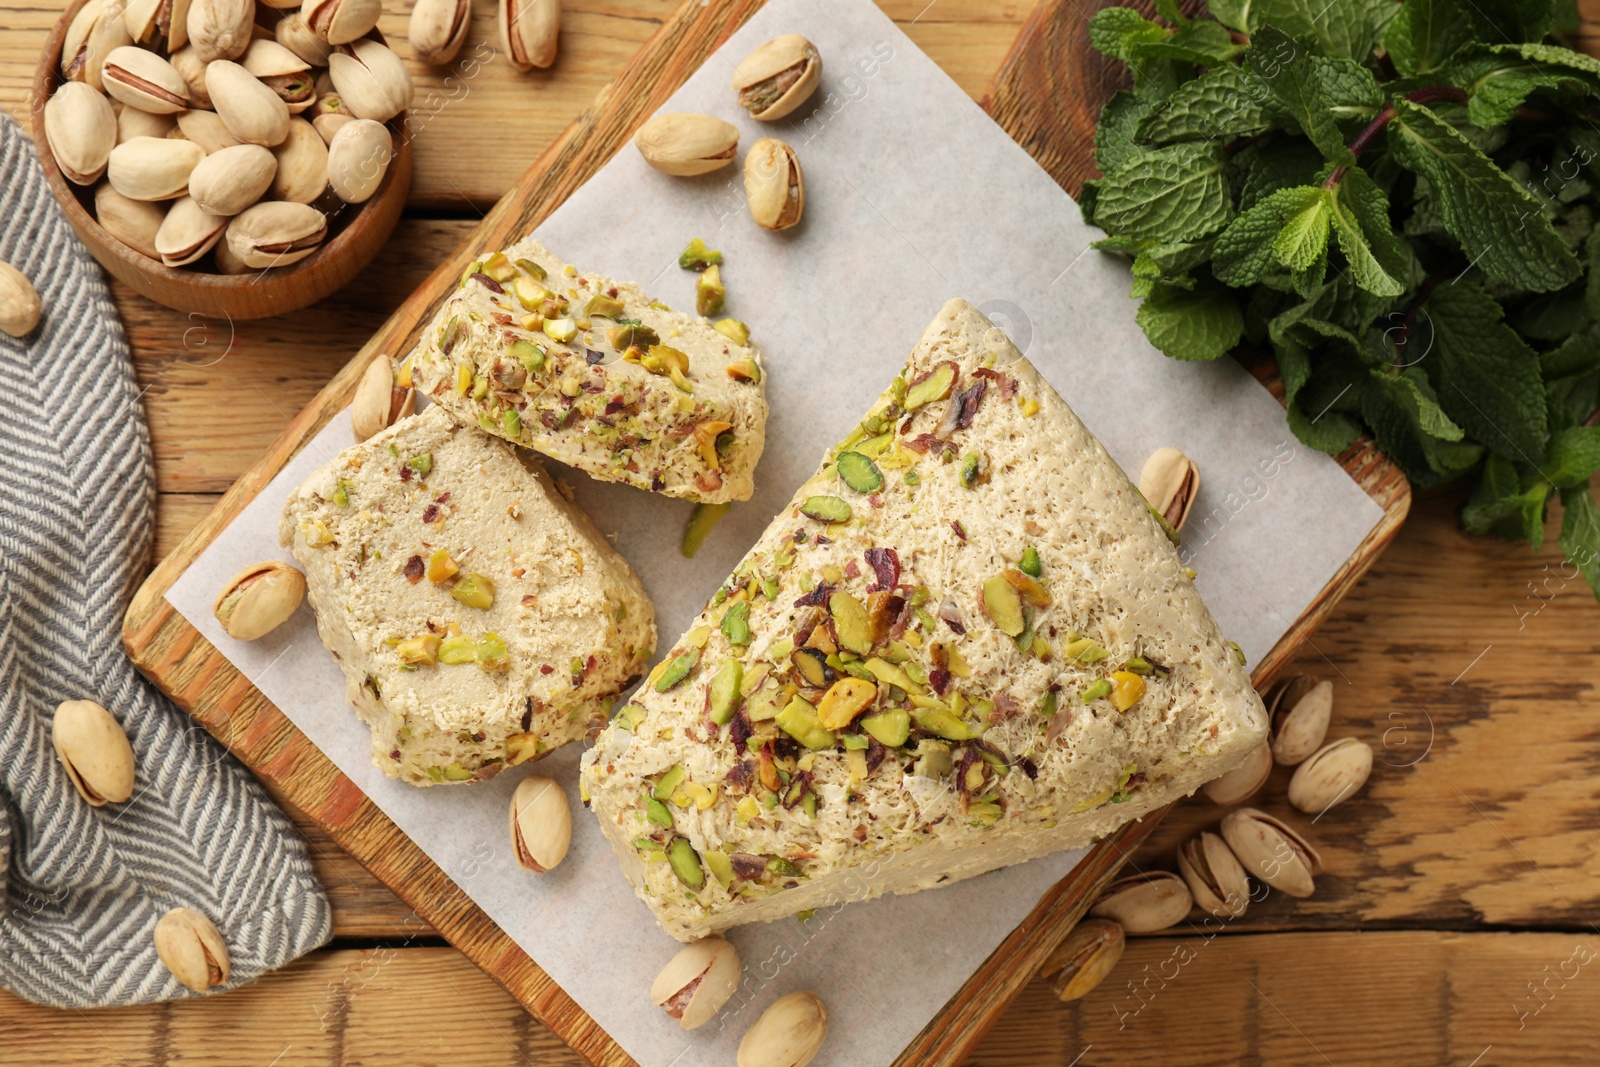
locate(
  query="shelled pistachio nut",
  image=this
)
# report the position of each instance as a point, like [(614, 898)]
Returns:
[(259, 598), (541, 824), (529, 31), (778, 77), (153, 168), (438, 29), (379, 403), (697, 982), (94, 751), (1170, 481), (302, 164), (206, 129), (1144, 902), (283, 72), (1082, 961), (220, 29), (131, 123), (1270, 850), (328, 115), (687, 144), (81, 130), (773, 184), (293, 33), (158, 24), (20, 307), (188, 64), (192, 948), (133, 222), (1244, 781), (252, 112), (1215, 878), (371, 80), (788, 1034), (140, 78), (188, 232), (96, 30), (358, 158), (231, 179), (1299, 708), (1331, 775), (341, 21)]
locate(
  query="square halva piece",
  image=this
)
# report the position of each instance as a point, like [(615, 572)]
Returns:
[(592, 372), (479, 618), (965, 643)]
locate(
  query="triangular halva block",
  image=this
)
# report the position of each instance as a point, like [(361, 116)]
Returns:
[(965, 643)]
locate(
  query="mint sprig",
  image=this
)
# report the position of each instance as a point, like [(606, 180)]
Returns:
[(1399, 203)]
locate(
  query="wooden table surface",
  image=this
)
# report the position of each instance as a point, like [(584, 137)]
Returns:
[(1455, 924)]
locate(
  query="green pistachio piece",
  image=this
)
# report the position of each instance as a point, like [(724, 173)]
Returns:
[(891, 727), (720, 865), (851, 621), (709, 292), (725, 690), (856, 742), (733, 330), (971, 465), (341, 493), (466, 275), (560, 329), (669, 782), (475, 591), (872, 447), (677, 670), (657, 813), (422, 464), (1138, 665), (799, 720), (1098, 690), (1085, 650), (859, 472), (629, 717), (512, 422), (826, 509), (785, 867), (943, 723), (533, 268), (701, 521), (606, 307), (812, 665), (490, 653), (933, 759), (458, 649), (530, 355), (499, 267), (1004, 605), (935, 385), (736, 623), (456, 773), (686, 863), (696, 256)]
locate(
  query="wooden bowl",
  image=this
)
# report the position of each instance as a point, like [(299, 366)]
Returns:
[(357, 235)]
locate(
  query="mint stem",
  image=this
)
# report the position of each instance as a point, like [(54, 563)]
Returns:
[(1382, 119)]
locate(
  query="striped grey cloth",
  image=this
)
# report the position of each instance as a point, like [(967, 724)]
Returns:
[(83, 887)]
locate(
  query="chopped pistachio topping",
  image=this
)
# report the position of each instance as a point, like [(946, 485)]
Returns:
[(701, 521), (859, 472), (1096, 691), (733, 330), (475, 591), (709, 292), (686, 863), (696, 256), (826, 509)]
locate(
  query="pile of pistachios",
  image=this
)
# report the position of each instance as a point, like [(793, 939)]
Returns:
[(1215, 868), (225, 127), (771, 82)]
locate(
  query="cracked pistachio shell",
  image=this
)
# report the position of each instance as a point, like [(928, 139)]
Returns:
[(81, 130), (158, 24), (259, 598), (251, 111), (188, 232), (1144, 902), (778, 77), (371, 80), (283, 72), (1270, 850), (358, 157), (231, 179), (1299, 708), (192, 948), (302, 164), (1331, 775), (697, 982), (206, 129), (94, 751), (529, 31), (153, 168), (341, 21), (1214, 875), (1085, 957), (96, 30), (133, 222), (438, 28), (379, 403), (686, 144), (140, 78), (540, 824), (329, 122), (1169, 482), (131, 123), (221, 29), (293, 33), (1244, 781), (788, 1034), (774, 186)]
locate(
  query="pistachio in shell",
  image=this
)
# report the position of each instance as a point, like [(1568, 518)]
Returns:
[(228, 263), (1271, 850), (140, 78), (1084, 958), (81, 130), (341, 21), (774, 186), (328, 115), (529, 31), (371, 80), (259, 599), (302, 164), (220, 29), (188, 232), (1169, 482), (438, 29), (1144, 902), (686, 144), (283, 72), (133, 222), (379, 401), (131, 123), (192, 948), (697, 982), (1331, 775), (358, 158), (788, 1034), (541, 824), (252, 112), (1244, 781), (20, 307), (95, 31), (94, 751), (206, 129), (231, 179), (778, 77), (1214, 876), (293, 33), (153, 168), (187, 62), (1299, 708), (161, 25)]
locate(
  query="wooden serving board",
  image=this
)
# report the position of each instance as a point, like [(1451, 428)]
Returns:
[(1047, 96)]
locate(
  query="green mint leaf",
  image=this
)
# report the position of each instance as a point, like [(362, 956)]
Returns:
[(1322, 407), (1360, 215), (1552, 316), (1348, 90), (1191, 324), (1218, 105), (1573, 457), (1204, 42), (1114, 30), (1426, 33), (1580, 534), (1303, 239), (1174, 193), (1169, 10), (1346, 29), (1506, 505), (1329, 431), (1511, 20), (1234, 14), (1286, 69), (1410, 427), (1499, 224), (1549, 55), (1578, 354), (1497, 81), (1276, 162), (1487, 376), (1120, 120), (1288, 231)]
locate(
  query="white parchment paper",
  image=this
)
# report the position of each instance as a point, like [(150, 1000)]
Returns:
[(912, 196)]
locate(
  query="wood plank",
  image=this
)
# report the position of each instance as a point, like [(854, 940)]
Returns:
[(1352, 999)]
